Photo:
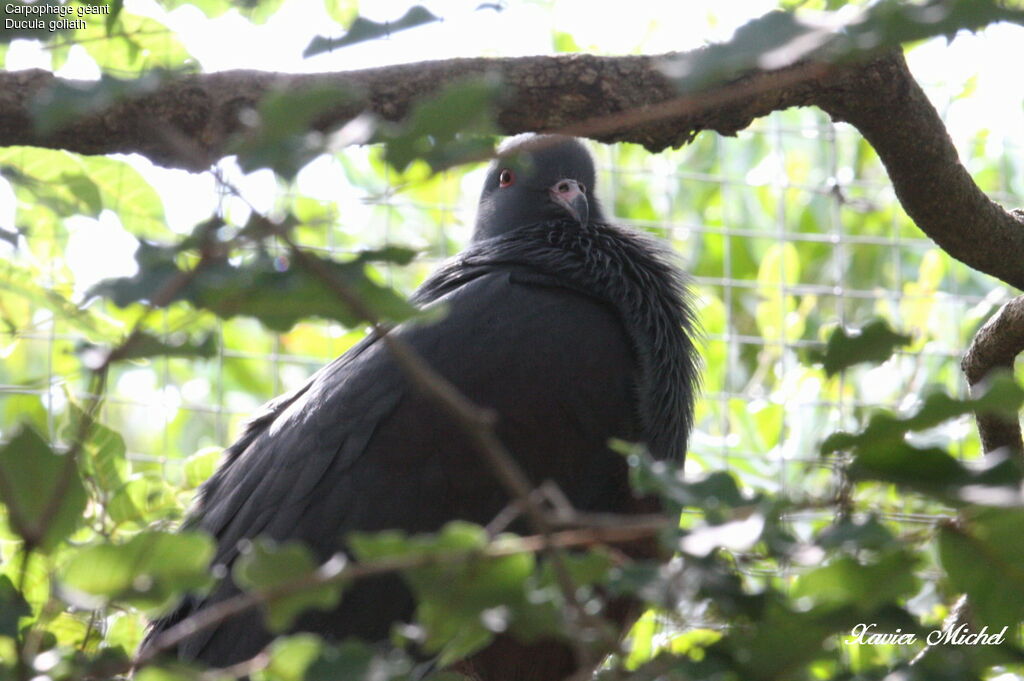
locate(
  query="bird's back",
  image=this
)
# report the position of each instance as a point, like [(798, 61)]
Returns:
[(361, 449), (571, 330)]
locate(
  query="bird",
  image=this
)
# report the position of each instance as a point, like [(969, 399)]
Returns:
[(572, 330)]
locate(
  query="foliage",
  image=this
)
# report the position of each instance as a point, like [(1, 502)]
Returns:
[(833, 480)]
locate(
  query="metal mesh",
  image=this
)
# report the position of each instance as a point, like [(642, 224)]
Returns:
[(788, 230)]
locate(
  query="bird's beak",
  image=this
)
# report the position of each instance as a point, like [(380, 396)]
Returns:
[(569, 195)]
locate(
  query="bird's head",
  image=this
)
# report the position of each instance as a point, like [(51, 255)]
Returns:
[(537, 178)]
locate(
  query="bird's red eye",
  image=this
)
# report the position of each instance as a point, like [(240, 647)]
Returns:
[(506, 178)]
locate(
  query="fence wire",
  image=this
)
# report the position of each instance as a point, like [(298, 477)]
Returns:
[(787, 231)]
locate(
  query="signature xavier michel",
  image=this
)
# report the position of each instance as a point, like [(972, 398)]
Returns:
[(865, 634)]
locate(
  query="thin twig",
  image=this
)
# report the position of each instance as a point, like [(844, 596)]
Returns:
[(630, 530), (476, 423)]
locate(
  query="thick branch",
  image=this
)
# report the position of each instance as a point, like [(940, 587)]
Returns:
[(543, 93), (887, 106), (188, 122), (996, 346)]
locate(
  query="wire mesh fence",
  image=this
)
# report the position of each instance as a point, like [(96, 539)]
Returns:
[(781, 234), (787, 231)]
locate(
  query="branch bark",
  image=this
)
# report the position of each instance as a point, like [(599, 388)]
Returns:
[(996, 346), (188, 122)]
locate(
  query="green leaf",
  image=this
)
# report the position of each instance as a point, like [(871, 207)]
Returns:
[(1001, 396), (716, 493), (779, 39), (260, 11), (276, 292), (68, 100), (864, 587), (211, 8), (37, 175), (856, 533), (41, 489), (350, 659), (23, 281), (143, 345), (342, 11), (172, 672), (103, 457), (363, 29), (451, 127), (492, 591), (143, 499), (291, 657), (266, 565), (86, 191), (130, 43), (283, 141), (201, 466), (873, 344), (12, 607), (985, 558), (936, 473), (150, 571)]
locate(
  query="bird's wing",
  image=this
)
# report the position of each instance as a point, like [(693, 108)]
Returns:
[(361, 449)]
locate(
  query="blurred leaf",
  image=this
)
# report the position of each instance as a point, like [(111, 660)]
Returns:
[(936, 473), (985, 558), (12, 607), (142, 345), (68, 100), (873, 344), (86, 191), (131, 43), (266, 565), (276, 292), (779, 39), (103, 456), (150, 571), (201, 466), (351, 659), (211, 8), (23, 281), (42, 491), (1001, 396), (170, 672), (855, 534), (260, 11), (291, 657), (716, 494), (456, 627), (779, 267), (564, 42), (38, 177), (342, 11), (143, 499), (863, 586), (451, 127), (363, 29), (283, 140)]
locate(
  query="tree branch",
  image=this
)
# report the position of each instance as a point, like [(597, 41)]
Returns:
[(609, 99), (628, 530), (996, 346)]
